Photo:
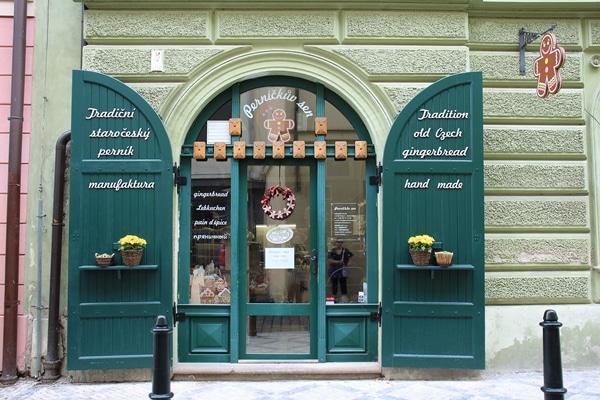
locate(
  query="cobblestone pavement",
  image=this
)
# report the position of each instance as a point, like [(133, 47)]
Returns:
[(580, 385)]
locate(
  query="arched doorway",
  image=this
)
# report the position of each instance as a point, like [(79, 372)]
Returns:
[(254, 278)]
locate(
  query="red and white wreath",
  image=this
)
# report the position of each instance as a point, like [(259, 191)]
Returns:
[(286, 194)]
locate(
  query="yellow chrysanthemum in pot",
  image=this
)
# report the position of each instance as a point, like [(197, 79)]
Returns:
[(132, 242), (421, 242)]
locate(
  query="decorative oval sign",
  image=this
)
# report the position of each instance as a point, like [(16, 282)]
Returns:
[(279, 234)]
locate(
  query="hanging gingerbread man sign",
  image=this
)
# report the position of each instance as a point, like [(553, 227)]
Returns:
[(547, 66)]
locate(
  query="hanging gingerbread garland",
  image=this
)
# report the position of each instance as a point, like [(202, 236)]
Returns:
[(286, 194)]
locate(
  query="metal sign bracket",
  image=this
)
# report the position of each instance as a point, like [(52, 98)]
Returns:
[(525, 38)]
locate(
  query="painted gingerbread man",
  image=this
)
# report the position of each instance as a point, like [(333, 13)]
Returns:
[(546, 66), (279, 127)]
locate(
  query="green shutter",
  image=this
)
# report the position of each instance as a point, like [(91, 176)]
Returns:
[(121, 182), (433, 317)]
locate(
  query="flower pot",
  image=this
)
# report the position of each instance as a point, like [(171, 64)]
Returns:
[(420, 257), (131, 258)]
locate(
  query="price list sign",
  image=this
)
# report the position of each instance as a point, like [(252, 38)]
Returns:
[(344, 217)]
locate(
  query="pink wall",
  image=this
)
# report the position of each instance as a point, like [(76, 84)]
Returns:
[(6, 34)]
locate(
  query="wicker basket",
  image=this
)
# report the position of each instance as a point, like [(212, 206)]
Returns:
[(444, 258), (131, 258), (420, 257), (104, 260)]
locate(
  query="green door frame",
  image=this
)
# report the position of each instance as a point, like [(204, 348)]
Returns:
[(229, 317)]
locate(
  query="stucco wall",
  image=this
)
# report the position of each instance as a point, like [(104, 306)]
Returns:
[(57, 52), (536, 154)]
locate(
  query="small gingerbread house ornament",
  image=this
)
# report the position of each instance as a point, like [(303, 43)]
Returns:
[(224, 296), (207, 296)]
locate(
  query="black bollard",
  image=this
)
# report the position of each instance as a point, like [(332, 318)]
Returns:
[(553, 381), (161, 368)]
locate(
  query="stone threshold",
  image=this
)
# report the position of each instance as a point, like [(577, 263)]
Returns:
[(275, 370)]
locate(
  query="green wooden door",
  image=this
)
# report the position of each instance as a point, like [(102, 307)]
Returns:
[(433, 317), (279, 270), (121, 183)]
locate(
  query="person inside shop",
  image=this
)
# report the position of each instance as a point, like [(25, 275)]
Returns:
[(339, 260), (220, 259)]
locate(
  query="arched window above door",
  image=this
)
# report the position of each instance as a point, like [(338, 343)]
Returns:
[(283, 110), (256, 100), (275, 113)]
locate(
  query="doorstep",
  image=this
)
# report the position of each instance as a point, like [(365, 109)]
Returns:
[(275, 370)]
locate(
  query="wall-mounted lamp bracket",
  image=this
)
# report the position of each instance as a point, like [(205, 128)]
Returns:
[(524, 39)]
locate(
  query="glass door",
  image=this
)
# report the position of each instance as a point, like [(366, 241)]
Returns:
[(280, 279)]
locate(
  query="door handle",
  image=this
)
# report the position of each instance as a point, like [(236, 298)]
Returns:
[(313, 261)]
